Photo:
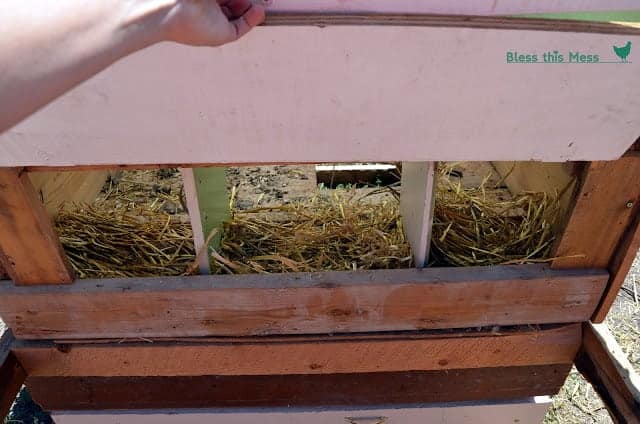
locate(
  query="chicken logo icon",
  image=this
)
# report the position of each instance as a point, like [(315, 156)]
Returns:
[(623, 52)]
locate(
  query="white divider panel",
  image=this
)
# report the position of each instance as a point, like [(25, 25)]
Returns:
[(191, 195), (416, 207), (528, 411)]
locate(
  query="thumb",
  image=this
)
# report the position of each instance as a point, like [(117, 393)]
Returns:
[(251, 18)]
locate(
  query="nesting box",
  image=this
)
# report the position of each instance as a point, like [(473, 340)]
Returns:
[(334, 81)]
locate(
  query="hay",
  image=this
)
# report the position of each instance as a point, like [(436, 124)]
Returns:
[(138, 227), (474, 226), (330, 231), (137, 242)]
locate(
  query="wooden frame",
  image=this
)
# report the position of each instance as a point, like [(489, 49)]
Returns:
[(332, 338), (603, 363), (100, 393), (27, 232), (306, 355), (304, 303), (12, 375)]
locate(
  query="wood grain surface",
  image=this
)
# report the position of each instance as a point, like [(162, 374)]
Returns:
[(605, 365), (302, 303), (296, 390), (32, 253), (12, 375), (321, 355)]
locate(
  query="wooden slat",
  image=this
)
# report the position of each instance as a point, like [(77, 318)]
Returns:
[(603, 363), (191, 196), (605, 207), (444, 112), (323, 19), (302, 303), (12, 375), (602, 229), (73, 393), (32, 251), (416, 207), (311, 356), (620, 266)]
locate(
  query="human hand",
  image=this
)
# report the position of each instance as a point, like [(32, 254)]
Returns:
[(211, 22)]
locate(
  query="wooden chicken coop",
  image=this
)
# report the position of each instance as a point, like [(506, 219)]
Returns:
[(416, 82)]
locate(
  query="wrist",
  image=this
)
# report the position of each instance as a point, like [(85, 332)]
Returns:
[(144, 22)]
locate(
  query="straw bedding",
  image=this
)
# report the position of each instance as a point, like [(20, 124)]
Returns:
[(130, 231)]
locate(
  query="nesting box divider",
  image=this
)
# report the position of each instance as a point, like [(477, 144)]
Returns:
[(416, 207)]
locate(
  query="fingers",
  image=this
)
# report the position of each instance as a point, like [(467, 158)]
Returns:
[(234, 9), (250, 18)]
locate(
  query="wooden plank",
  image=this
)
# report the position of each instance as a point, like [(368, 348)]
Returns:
[(296, 390), (463, 7), (431, 112), (522, 411), (620, 266), (603, 225), (320, 355), (603, 363), (324, 19), (555, 179), (191, 196), (57, 188), (605, 206), (302, 303), (416, 207), (32, 251), (12, 375)]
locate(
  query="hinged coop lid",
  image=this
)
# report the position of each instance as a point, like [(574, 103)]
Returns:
[(360, 81)]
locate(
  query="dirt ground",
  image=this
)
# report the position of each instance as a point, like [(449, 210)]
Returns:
[(272, 185)]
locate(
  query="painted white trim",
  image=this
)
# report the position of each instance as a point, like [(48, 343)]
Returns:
[(526, 411)]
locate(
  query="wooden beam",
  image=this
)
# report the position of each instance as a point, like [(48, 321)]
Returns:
[(602, 229), (416, 207), (603, 363), (317, 355), (620, 265), (604, 208), (32, 251), (12, 375), (296, 390), (302, 303)]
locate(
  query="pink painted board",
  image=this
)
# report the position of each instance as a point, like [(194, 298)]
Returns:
[(461, 7), (308, 94)]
